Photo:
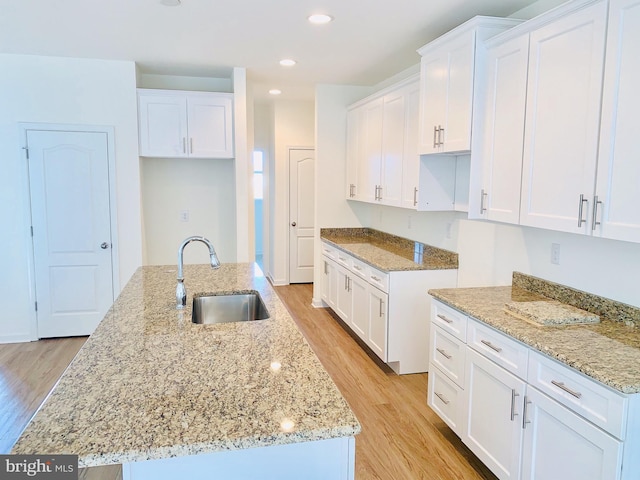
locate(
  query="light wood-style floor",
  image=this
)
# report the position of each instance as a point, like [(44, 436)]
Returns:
[(401, 439)]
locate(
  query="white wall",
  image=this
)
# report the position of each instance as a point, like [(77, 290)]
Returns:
[(536, 9), (293, 123), (64, 91), (202, 187)]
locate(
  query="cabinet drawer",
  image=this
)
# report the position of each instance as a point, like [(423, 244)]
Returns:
[(360, 268), (445, 398), (379, 279), (452, 321), (448, 354), (506, 352), (583, 395), (343, 259), (329, 251)]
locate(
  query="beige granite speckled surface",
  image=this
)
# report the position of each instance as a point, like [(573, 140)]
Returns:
[(608, 351), (550, 312), (388, 252), (150, 384)]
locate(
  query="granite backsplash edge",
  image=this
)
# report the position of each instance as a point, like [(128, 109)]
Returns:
[(605, 307)]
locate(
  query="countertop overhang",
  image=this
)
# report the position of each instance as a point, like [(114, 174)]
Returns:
[(149, 383)]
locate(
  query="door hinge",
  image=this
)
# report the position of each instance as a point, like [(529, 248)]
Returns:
[(26, 150), (36, 306)]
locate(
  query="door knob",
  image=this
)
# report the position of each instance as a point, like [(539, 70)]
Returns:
[(104, 245), (293, 224)]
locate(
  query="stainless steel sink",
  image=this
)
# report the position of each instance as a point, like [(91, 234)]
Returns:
[(233, 307)]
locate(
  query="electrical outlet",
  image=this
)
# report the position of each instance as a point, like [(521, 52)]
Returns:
[(184, 215), (555, 253)]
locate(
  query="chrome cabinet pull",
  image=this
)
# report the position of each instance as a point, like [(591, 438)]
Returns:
[(435, 136), (442, 398), (491, 345), (376, 278), (381, 312), (184, 144), (325, 268), (562, 386), (443, 353), (415, 196), (524, 413), (580, 210), (190, 144), (357, 268), (483, 195), (513, 403), (594, 219), (348, 284), (440, 135), (442, 317)]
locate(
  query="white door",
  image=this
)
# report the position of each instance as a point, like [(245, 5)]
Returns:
[(71, 219), (301, 215)]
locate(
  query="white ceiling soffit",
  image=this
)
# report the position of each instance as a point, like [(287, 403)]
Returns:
[(368, 41)]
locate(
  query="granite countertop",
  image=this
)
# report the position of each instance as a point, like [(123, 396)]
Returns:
[(608, 351), (388, 252), (149, 383)]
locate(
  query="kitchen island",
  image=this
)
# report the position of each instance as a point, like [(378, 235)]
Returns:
[(161, 395)]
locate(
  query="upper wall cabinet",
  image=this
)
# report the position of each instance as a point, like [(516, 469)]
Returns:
[(176, 123), (447, 71), (616, 212), (382, 161)]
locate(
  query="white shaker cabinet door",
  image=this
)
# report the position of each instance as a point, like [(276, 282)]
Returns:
[(210, 126), (378, 322), (162, 125), (554, 434), (411, 158), (393, 128), (370, 157), (617, 199), (562, 120), (503, 131), (433, 100)]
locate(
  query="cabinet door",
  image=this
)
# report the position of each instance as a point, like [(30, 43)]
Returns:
[(162, 124), (562, 119), (560, 444), (433, 99), (503, 131), (493, 427), (456, 136), (371, 156), (393, 125), (360, 311), (378, 308), (344, 299), (410, 157), (210, 119), (618, 215), (330, 283), (353, 152)]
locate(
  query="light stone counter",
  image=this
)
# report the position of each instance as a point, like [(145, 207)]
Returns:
[(608, 351), (150, 384)]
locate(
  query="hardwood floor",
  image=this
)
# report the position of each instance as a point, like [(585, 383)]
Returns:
[(401, 439)]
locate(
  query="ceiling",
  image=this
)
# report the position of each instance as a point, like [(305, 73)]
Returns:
[(369, 40)]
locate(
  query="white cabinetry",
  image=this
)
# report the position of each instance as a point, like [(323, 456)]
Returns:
[(382, 161), (381, 308), (617, 193), (185, 124), (447, 71), (562, 118), (522, 413)]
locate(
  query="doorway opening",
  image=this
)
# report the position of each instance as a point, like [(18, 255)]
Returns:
[(258, 201)]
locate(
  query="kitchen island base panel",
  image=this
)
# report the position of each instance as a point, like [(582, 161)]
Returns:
[(332, 459)]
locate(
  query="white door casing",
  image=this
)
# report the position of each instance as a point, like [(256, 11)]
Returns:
[(72, 239), (301, 215)]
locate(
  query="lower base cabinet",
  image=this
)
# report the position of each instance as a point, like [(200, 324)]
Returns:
[(524, 415)]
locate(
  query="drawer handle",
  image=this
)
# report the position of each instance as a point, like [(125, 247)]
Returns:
[(443, 353), (376, 278), (327, 251), (524, 413), (442, 398), (491, 345), (448, 320), (357, 268), (562, 386)]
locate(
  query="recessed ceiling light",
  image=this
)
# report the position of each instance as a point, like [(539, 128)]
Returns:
[(275, 91), (170, 3), (287, 62), (320, 18)]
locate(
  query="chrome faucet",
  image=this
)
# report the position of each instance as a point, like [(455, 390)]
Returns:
[(181, 292)]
